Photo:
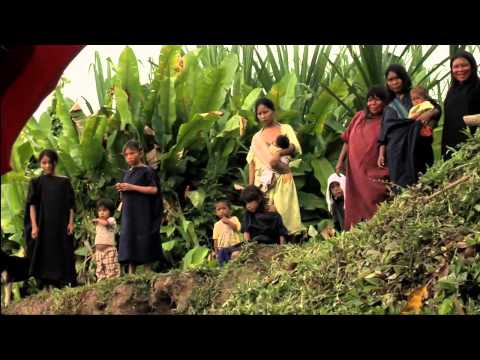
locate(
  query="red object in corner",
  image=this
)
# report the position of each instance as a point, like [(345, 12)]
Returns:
[(29, 74)]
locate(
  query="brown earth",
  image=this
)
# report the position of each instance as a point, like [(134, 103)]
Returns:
[(163, 294)]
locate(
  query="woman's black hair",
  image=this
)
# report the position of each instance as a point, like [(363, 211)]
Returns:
[(132, 145), (282, 141), (377, 91), (265, 102), (51, 154), (403, 75), (107, 204), (473, 63), (253, 193)]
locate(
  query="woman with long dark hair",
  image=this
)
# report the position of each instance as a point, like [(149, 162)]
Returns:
[(282, 193), (463, 98), (364, 186), (49, 225), (405, 152)]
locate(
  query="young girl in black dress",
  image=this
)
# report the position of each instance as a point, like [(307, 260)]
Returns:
[(259, 224), (48, 224), (142, 210)]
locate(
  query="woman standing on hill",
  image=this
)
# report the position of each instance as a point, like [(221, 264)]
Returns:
[(49, 216), (405, 152), (463, 98), (282, 192), (364, 188)]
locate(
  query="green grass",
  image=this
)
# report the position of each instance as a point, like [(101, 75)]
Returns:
[(373, 268), (369, 270)]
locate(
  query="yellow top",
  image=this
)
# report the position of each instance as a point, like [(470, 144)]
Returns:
[(283, 194), (285, 129), (224, 236), (420, 108)]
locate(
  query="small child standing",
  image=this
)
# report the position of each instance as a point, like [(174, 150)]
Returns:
[(421, 103), (106, 255), (336, 199), (268, 178), (259, 224), (226, 233)]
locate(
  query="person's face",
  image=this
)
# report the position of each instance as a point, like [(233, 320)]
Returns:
[(103, 213), (336, 190), (47, 165), (394, 82), (132, 157), (416, 98), (264, 115), (461, 69), (375, 105), (222, 210), (252, 206)]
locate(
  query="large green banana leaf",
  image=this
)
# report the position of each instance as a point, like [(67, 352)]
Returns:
[(283, 93), (186, 84), (129, 80), (213, 86)]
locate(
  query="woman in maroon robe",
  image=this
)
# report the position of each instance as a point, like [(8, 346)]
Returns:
[(364, 188)]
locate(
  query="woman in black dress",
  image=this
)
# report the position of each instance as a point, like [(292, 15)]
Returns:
[(463, 98), (402, 149), (48, 224), (142, 208)]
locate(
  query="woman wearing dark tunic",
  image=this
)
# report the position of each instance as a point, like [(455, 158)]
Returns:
[(463, 98), (142, 207), (364, 188), (403, 149), (49, 225)]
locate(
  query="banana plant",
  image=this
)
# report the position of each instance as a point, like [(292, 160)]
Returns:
[(195, 102), (103, 84)]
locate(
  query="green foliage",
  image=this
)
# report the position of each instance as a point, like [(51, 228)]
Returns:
[(194, 102), (195, 257), (416, 241), (411, 242)]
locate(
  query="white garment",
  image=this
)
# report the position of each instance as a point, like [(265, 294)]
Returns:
[(335, 178)]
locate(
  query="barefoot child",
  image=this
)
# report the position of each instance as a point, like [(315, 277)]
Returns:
[(106, 255), (142, 208), (226, 233), (259, 224), (48, 224)]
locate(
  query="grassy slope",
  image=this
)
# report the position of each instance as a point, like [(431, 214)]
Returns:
[(411, 242)]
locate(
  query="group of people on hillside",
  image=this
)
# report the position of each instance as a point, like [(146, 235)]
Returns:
[(49, 222), (391, 139)]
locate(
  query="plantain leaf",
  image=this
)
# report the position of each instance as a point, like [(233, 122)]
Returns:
[(322, 169), (185, 85), (212, 88), (283, 93), (197, 198), (129, 81)]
